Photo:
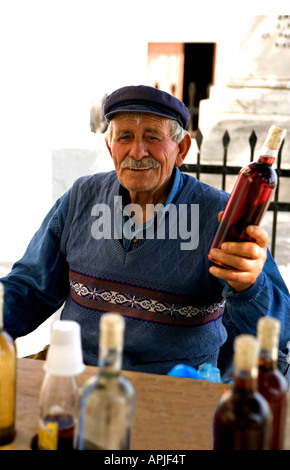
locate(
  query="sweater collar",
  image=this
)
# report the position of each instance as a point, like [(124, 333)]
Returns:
[(177, 183)]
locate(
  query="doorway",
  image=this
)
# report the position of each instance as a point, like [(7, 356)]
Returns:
[(185, 70), (198, 75)]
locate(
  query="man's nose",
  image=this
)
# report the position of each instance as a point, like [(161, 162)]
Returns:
[(138, 149)]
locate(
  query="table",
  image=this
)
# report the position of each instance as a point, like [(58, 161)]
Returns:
[(172, 413)]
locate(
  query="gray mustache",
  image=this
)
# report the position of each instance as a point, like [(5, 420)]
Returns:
[(145, 163)]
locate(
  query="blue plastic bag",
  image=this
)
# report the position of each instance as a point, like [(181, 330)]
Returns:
[(205, 372), (184, 371)]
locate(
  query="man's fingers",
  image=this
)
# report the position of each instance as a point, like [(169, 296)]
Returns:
[(259, 234), (247, 250)]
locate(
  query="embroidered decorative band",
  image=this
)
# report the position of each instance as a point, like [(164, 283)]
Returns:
[(145, 304)]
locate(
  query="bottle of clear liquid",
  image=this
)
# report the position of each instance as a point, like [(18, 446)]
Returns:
[(251, 195), (243, 419), (271, 382), (108, 399), (7, 380), (59, 394)]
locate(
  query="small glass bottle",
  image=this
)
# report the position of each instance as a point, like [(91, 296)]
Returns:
[(251, 195), (59, 394), (243, 419), (7, 380), (108, 399), (271, 382), (58, 412)]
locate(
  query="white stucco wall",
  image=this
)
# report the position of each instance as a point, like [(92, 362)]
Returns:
[(59, 56)]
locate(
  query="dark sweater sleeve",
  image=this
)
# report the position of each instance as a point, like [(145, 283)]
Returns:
[(38, 285)]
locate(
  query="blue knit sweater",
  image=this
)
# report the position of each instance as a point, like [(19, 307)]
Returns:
[(175, 311), (173, 308)]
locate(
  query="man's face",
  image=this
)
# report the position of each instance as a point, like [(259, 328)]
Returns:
[(144, 154)]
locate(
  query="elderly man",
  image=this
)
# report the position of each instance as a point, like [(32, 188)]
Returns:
[(136, 241)]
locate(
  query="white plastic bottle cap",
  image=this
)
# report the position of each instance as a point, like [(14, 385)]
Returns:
[(65, 356)]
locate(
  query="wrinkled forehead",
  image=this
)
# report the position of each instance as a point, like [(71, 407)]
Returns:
[(133, 120)]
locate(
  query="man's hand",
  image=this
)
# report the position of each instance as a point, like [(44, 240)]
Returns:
[(246, 258)]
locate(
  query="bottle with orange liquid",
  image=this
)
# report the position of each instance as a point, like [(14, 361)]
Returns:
[(7, 380), (271, 382), (243, 418)]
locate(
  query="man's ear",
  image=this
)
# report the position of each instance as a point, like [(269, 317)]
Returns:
[(183, 146), (108, 146)]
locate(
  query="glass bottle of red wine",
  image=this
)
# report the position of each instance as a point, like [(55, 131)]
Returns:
[(271, 382), (7, 380), (251, 195), (243, 418), (108, 399), (59, 394)]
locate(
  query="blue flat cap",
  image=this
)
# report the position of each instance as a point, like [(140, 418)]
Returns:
[(146, 99)]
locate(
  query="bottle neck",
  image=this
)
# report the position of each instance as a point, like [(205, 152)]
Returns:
[(110, 362), (245, 380), (267, 359), (267, 156)]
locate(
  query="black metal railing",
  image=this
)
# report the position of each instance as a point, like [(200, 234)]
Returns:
[(224, 169)]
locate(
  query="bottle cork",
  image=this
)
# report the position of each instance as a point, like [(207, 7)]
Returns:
[(112, 327), (275, 137), (268, 332), (245, 352)]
